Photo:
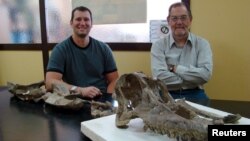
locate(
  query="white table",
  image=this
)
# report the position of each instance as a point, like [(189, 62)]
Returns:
[(104, 129)]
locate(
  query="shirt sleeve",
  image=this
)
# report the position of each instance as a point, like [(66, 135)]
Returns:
[(201, 73), (56, 60), (110, 64), (159, 66)]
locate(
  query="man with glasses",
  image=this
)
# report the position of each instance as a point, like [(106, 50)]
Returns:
[(182, 60)]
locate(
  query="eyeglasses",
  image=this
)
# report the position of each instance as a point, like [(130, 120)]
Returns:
[(182, 18)]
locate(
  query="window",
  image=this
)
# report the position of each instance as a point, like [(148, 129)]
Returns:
[(58, 14), (20, 21)]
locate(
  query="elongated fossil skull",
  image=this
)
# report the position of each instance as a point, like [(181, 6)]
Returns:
[(142, 97)]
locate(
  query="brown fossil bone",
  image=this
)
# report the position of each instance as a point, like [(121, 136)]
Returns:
[(29, 92), (58, 98), (142, 97), (101, 109), (61, 97)]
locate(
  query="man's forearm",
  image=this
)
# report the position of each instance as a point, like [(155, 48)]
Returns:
[(111, 87), (193, 74), (49, 84)]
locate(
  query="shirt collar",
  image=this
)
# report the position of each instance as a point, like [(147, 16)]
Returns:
[(189, 40)]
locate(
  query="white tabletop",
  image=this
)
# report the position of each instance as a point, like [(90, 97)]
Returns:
[(104, 129)]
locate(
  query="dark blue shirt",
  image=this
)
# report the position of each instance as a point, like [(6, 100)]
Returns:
[(83, 66)]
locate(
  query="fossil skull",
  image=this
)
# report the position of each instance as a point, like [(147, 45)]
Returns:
[(142, 97)]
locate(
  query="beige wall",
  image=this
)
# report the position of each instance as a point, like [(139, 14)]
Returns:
[(133, 62), (21, 67), (26, 67), (225, 23)]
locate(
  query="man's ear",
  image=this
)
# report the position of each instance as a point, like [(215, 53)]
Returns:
[(191, 18), (168, 19)]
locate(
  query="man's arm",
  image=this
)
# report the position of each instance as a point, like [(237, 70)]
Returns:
[(111, 79), (201, 73), (56, 78), (160, 68)]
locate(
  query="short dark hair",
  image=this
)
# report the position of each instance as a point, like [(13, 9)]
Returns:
[(80, 8), (178, 4)]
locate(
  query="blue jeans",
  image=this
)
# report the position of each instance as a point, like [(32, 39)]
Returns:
[(194, 95), (105, 97)]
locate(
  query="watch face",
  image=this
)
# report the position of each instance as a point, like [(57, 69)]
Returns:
[(73, 88)]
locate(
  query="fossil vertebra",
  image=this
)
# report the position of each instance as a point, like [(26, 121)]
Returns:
[(142, 97)]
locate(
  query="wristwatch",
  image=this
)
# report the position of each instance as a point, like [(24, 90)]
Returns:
[(171, 68), (73, 88)]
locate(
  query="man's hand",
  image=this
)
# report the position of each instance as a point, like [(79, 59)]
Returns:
[(90, 92)]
